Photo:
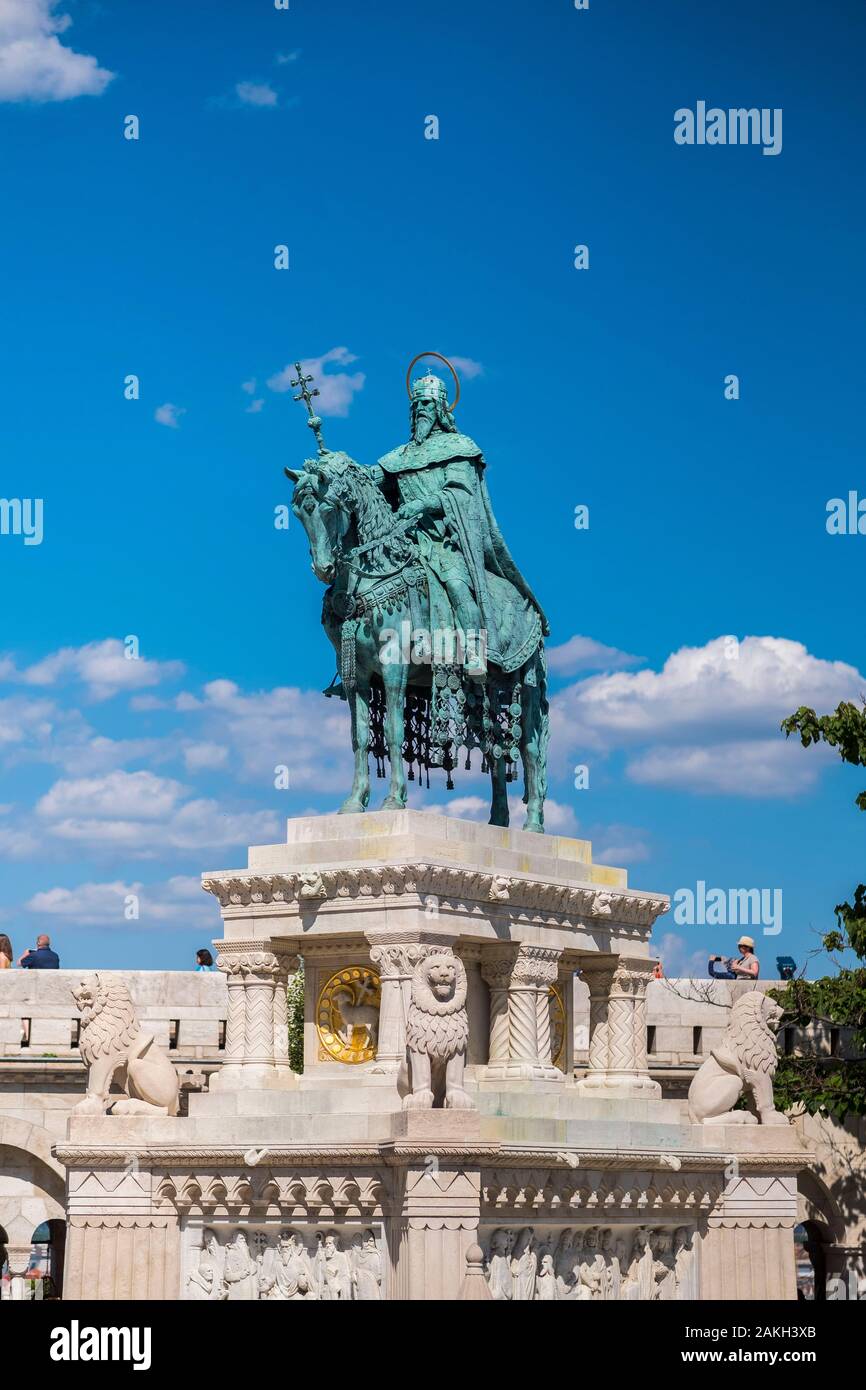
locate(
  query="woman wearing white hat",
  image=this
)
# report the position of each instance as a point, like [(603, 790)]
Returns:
[(746, 966)]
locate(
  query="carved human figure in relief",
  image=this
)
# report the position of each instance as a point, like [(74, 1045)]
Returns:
[(287, 1274), (524, 1267), (204, 1283), (437, 1034), (366, 1268), (563, 1263), (744, 1063), (499, 1276), (333, 1270), (682, 1253), (240, 1276), (545, 1284), (113, 1045), (664, 1279), (611, 1277)]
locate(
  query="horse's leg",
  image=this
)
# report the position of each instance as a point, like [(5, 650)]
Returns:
[(533, 744), (499, 804), (359, 708), (395, 677)]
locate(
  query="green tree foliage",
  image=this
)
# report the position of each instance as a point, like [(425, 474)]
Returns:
[(295, 997), (830, 1084)]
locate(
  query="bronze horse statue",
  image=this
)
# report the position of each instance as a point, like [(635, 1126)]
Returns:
[(405, 703)]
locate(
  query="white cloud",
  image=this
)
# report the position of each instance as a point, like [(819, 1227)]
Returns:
[(140, 795), (761, 767), (620, 846), (298, 729), (255, 407), (104, 667), (169, 414), (179, 900), (585, 654), (283, 58), (201, 757), (706, 706), (558, 818), (34, 64), (465, 366), (16, 843), (256, 94), (336, 389), (249, 386), (142, 814), (679, 960)]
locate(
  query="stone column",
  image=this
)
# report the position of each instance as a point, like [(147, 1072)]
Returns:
[(617, 1023), (395, 962), (747, 1249), (519, 990), (496, 972), (19, 1263), (565, 986), (256, 1025), (435, 1223)]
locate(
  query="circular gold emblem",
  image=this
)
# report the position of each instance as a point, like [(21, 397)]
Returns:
[(557, 1028), (347, 1015)]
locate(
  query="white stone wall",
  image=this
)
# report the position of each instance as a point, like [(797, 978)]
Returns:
[(41, 1001)]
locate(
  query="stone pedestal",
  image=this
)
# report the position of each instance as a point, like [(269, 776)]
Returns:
[(326, 1188)]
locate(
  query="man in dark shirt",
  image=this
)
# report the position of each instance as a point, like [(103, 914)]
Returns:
[(43, 958)]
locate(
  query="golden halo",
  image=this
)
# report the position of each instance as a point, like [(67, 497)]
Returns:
[(440, 358)]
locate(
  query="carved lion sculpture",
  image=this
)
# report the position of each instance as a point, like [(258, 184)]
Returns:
[(112, 1044), (437, 1033), (744, 1062)]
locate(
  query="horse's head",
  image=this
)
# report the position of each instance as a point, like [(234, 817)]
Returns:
[(323, 504)]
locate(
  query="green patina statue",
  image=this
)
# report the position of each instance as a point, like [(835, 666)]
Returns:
[(439, 637)]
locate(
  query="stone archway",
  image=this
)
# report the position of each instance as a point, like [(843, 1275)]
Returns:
[(32, 1193)]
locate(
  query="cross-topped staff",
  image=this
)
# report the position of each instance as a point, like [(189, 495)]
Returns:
[(306, 396)]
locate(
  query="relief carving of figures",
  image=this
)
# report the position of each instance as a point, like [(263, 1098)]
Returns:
[(665, 1276), (367, 1268), (205, 1281), (563, 1263), (587, 1279), (499, 1265), (611, 1276), (590, 1265), (524, 1266), (283, 1267), (287, 1273), (240, 1279), (333, 1270)]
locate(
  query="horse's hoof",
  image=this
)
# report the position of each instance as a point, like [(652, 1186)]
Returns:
[(391, 803), (352, 807), (534, 824)]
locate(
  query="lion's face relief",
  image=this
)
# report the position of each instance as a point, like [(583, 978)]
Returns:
[(773, 1013), (442, 977), (85, 994)]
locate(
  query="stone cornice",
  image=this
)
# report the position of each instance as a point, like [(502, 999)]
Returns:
[(399, 1152), (453, 884)]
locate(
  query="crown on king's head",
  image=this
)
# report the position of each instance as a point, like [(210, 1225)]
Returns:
[(429, 388)]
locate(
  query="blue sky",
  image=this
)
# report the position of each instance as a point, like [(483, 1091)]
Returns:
[(602, 387)]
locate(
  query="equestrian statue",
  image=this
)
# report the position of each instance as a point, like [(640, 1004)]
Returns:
[(440, 640)]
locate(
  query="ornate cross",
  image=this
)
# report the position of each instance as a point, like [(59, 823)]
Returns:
[(306, 396)]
